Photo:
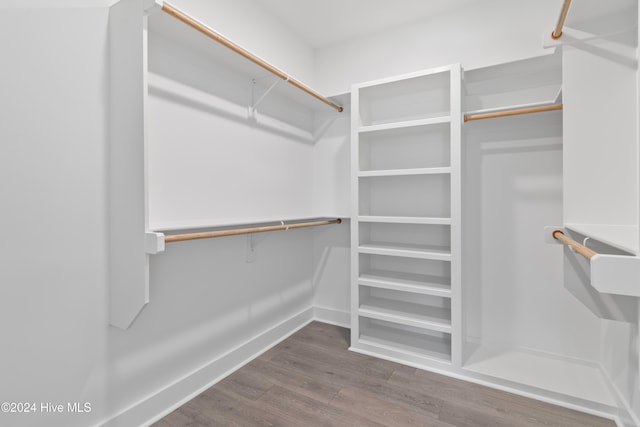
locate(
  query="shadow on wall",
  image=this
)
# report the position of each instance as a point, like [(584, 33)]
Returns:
[(219, 81)]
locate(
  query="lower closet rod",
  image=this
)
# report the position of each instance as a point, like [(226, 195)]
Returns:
[(236, 231), (581, 249)]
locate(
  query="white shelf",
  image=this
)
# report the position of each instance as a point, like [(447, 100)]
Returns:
[(567, 377), (405, 172), (407, 282), (519, 84), (405, 124), (398, 342), (411, 251), (164, 26), (228, 222), (405, 220), (623, 237), (406, 313), (404, 77)]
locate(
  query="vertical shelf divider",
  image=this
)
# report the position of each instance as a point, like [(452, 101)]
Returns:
[(456, 215)]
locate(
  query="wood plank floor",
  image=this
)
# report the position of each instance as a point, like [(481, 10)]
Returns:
[(311, 379)]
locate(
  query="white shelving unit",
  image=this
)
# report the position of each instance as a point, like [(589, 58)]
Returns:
[(405, 229)]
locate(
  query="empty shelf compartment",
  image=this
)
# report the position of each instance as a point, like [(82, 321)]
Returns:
[(418, 310), (402, 339), (405, 196), (405, 99), (408, 148), (529, 82)]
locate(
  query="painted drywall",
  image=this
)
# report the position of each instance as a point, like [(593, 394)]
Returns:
[(480, 34), (54, 170), (210, 157), (249, 24)]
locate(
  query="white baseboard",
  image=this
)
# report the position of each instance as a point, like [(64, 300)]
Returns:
[(331, 316), (168, 399)]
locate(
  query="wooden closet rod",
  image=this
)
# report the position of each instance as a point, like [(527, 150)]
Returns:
[(557, 32), (504, 113), (243, 52), (236, 231), (581, 249)]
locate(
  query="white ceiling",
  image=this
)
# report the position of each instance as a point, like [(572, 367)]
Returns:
[(325, 22)]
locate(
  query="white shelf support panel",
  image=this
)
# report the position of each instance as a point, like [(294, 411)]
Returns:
[(406, 172), (128, 260), (405, 124), (610, 274)]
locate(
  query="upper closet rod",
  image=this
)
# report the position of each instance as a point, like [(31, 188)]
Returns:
[(236, 231), (557, 32), (515, 112), (234, 47), (581, 249)]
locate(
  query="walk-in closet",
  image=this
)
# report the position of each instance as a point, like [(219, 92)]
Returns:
[(286, 212)]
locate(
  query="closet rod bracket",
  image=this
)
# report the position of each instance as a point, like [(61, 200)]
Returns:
[(254, 104), (154, 242)]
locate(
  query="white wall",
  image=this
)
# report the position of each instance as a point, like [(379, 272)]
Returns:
[(53, 297), (249, 24), (484, 33), (331, 196), (209, 161)]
